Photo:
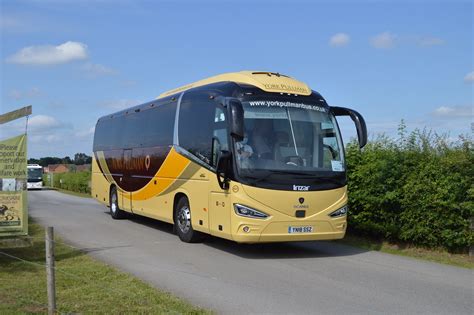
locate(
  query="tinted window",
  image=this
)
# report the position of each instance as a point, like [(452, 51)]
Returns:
[(147, 128), (150, 127), (220, 134), (158, 125), (131, 130), (200, 119), (108, 133)]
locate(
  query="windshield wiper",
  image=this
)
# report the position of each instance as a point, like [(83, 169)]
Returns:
[(290, 172), (316, 178), (329, 179), (256, 179)]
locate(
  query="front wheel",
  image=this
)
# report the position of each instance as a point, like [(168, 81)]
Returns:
[(182, 221), (115, 211)]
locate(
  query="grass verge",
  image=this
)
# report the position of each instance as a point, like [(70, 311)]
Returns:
[(435, 255), (83, 285)]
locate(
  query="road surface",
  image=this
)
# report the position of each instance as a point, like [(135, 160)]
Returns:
[(298, 278)]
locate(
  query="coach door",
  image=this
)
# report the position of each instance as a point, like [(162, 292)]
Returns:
[(202, 119), (220, 205), (127, 178)]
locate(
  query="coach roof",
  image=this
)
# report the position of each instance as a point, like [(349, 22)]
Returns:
[(267, 81)]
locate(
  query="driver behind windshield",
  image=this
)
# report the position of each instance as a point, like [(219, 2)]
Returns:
[(262, 138), (244, 151)]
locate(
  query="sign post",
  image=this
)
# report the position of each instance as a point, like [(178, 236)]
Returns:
[(50, 276)]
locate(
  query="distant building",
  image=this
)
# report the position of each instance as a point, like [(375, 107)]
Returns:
[(82, 168), (65, 168), (57, 168)]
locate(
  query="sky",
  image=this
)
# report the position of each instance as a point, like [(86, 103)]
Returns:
[(77, 60)]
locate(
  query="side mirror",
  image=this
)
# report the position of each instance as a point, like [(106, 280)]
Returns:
[(236, 120), (215, 149), (358, 121), (222, 169)]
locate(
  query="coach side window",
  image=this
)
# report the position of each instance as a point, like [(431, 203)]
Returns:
[(220, 134), (158, 125), (198, 124), (108, 134)]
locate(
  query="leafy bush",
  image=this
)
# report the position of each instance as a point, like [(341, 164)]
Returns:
[(78, 182), (416, 189)]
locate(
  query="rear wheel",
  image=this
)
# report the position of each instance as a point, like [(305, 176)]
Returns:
[(115, 211), (182, 221)]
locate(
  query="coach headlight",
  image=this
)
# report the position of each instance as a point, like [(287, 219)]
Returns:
[(245, 211), (339, 212)]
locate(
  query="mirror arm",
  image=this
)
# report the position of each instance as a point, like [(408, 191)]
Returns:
[(358, 120), (215, 141), (224, 158)]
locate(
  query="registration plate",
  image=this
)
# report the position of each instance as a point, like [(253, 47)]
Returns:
[(300, 229)]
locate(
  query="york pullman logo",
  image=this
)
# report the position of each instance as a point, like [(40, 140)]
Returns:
[(285, 87), (300, 188), (135, 163)]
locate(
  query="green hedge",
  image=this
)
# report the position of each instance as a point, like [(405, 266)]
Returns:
[(78, 182), (417, 189)]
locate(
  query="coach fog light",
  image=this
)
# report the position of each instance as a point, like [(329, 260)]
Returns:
[(339, 212), (249, 212)]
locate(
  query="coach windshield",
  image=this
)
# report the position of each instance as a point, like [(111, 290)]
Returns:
[(287, 140)]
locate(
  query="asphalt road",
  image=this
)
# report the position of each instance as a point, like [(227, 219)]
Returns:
[(298, 278)]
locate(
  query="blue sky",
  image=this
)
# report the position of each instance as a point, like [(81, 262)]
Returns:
[(75, 61)]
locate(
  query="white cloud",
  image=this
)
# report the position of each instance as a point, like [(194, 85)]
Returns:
[(40, 123), (119, 104), (339, 40), (469, 78), (95, 69), (45, 139), (430, 41), (85, 133), (38, 126), (27, 94), (48, 54), (50, 136), (453, 112), (384, 40)]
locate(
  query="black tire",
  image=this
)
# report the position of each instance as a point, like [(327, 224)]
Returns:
[(183, 225), (115, 211)]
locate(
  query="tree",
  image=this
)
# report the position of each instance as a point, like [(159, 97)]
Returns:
[(66, 160), (33, 161), (82, 158), (45, 161)]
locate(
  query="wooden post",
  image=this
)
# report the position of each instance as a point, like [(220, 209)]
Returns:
[(471, 248), (50, 279)]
